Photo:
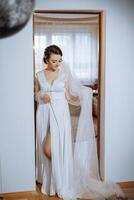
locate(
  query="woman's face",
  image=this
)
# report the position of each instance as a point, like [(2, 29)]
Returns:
[(54, 61)]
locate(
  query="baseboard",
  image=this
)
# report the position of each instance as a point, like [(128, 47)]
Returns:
[(129, 184)]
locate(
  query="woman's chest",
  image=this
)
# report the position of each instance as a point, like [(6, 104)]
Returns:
[(53, 82)]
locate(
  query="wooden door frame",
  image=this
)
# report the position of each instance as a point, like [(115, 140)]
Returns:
[(101, 108)]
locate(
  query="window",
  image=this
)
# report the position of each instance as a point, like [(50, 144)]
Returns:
[(79, 44)]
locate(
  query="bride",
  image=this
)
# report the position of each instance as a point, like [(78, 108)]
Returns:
[(66, 153)]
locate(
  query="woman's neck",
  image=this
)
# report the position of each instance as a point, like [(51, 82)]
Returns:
[(52, 70)]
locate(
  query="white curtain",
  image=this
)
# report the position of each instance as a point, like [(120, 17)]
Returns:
[(79, 43)]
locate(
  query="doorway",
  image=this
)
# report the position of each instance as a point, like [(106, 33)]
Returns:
[(81, 36)]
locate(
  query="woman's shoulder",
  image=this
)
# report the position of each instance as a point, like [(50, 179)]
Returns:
[(39, 73)]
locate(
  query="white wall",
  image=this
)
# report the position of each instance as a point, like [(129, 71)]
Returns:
[(119, 109), (16, 96), (16, 113)]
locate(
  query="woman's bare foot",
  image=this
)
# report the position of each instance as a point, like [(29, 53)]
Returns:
[(59, 196)]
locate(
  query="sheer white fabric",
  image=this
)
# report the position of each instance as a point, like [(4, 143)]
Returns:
[(79, 43), (73, 170)]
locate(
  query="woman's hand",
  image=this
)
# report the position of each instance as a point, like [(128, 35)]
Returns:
[(46, 98)]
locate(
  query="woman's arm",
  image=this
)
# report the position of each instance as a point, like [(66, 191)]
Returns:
[(69, 96), (37, 86), (37, 92), (38, 95)]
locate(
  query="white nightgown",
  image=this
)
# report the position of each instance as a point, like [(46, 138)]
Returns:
[(54, 174), (73, 169)]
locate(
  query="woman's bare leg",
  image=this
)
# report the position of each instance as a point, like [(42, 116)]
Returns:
[(47, 145)]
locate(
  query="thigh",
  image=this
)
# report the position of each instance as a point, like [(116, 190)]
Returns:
[(47, 143)]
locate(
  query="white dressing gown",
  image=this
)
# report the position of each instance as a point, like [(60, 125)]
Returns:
[(73, 169)]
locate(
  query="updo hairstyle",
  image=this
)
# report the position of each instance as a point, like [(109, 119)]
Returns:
[(52, 49)]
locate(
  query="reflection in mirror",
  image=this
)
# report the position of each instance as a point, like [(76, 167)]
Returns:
[(78, 37)]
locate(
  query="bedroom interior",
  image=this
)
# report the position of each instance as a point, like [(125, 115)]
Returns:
[(112, 99), (66, 29)]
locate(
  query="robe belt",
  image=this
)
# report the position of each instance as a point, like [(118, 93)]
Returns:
[(57, 96)]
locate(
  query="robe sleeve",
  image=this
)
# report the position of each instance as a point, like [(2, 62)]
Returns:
[(71, 90), (37, 91)]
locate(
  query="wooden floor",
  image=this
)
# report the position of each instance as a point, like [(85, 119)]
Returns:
[(129, 192)]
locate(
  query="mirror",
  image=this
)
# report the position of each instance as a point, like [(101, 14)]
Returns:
[(77, 33)]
